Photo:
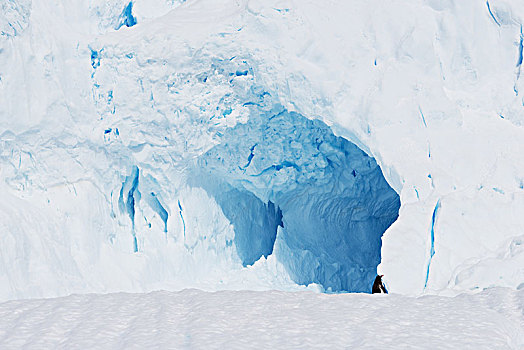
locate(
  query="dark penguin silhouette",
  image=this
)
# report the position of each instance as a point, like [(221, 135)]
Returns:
[(378, 286)]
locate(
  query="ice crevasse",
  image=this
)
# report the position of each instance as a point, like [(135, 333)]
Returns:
[(154, 144)]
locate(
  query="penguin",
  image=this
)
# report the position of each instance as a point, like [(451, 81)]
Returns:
[(378, 286)]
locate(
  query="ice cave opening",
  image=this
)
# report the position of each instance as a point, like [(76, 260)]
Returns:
[(290, 187)]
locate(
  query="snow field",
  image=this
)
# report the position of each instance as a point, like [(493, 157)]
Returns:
[(193, 319)]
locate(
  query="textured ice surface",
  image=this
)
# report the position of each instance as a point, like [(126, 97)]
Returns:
[(333, 204), (431, 90)]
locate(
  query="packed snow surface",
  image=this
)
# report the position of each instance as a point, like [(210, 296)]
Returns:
[(237, 144), (493, 319)]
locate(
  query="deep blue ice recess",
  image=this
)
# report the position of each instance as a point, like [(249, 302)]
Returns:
[(290, 187)]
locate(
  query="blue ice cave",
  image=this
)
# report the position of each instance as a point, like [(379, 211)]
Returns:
[(290, 187)]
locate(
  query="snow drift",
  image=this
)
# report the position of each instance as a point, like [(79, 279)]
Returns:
[(169, 144)]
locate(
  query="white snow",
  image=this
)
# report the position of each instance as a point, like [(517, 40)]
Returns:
[(430, 89), (492, 319)]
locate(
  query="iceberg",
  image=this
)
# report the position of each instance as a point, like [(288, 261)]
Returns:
[(233, 144)]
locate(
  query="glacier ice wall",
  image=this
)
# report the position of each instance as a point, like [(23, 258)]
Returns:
[(431, 90)]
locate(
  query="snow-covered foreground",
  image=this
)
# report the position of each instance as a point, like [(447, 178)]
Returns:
[(492, 319)]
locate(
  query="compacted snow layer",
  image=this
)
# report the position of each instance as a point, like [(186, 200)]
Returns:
[(492, 319)]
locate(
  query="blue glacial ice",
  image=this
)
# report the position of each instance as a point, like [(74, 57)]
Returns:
[(432, 240), (129, 198), (256, 222), (126, 18), (291, 187)]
